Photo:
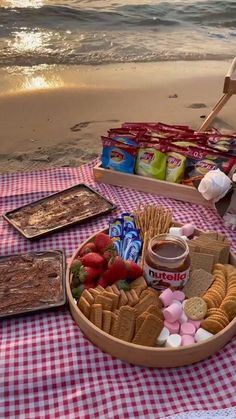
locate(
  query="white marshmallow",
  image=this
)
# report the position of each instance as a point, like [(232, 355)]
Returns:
[(162, 338), (184, 237), (173, 341), (202, 334), (176, 231)]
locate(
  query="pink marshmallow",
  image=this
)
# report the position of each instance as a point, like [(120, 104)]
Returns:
[(172, 327), (195, 323), (166, 297), (177, 302), (187, 329), (172, 313), (187, 340), (178, 295), (183, 318), (188, 229)]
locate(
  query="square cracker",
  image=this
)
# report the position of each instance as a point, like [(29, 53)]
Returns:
[(198, 283), (202, 261)]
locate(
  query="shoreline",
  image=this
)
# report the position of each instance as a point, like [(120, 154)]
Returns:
[(46, 124)]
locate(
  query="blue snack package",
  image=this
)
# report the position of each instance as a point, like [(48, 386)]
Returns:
[(133, 249), (129, 220), (128, 235), (118, 156), (118, 244), (116, 227)]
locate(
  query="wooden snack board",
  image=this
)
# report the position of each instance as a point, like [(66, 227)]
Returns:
[(154, 186), (155, 357)]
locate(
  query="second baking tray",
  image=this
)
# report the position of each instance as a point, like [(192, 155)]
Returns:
[(32, 282), (55, 212)]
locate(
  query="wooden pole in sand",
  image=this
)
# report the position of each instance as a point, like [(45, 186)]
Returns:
[(228, 90)]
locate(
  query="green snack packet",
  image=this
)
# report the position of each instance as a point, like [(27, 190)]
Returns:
[(151, 162), (175, 167)]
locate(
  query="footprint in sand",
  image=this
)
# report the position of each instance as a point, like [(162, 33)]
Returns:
[(80, 125), (197, 106)]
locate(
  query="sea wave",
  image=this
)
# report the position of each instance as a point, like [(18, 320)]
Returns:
[(96, 32)]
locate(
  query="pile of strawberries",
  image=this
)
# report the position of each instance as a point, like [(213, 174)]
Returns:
[(99, 264)]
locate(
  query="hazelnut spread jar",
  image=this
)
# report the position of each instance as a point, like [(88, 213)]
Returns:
[(167, 262)]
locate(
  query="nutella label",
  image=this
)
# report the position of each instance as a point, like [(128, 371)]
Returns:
[(160, 279)]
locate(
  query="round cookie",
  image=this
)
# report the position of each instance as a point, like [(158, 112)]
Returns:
[(195, 308)]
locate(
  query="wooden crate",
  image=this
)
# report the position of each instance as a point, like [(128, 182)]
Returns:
[(155, 357), (145, 184)]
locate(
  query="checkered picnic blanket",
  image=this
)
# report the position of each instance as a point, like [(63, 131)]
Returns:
[(48, 369)]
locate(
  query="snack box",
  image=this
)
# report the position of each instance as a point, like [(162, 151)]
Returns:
[(154, 186), (155, 357), (58, 211)]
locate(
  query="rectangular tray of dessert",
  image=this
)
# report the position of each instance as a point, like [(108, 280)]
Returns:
[(32, 282), (58, 211)]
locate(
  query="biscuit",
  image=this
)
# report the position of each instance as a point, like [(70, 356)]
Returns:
[(125, 324), (229, 306), (104, 301), (123, 299), (131, 301), (135, 296), (112, 296), (145, 302), (139, 284), (100, 288), (211, 325), (115, 289), (195, 308), (148, 331), (113, 323), (94, 292), (139, 321), (156, 311), (84, 306), (96, 315), (88, 296), (106, 321)]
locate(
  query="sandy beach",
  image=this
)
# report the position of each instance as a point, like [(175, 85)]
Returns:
[(54, 116)]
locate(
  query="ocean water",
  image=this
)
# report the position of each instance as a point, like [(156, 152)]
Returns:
[(36, 32)]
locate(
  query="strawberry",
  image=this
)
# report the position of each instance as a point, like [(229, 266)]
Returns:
[(89, 274), (110, 253), (88, 248), (134, 271), (103, 242), (116, 270), (77, 291), (94, 260)]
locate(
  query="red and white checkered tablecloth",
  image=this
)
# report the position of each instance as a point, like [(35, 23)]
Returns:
[(48, 369)]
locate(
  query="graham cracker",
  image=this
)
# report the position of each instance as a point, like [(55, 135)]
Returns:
[(202, 261), (198, 283)]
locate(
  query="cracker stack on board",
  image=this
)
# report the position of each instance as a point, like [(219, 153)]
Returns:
[(133, 316)]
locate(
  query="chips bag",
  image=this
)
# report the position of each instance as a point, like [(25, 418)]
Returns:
[(151, 161), (118, 156)]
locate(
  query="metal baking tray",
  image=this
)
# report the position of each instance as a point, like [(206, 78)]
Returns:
[(32, 282), (54, 212)]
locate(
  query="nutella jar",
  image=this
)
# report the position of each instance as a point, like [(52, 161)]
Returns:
[(167, 262)]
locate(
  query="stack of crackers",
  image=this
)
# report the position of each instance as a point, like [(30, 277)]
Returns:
[(208, 249), (133, 316)]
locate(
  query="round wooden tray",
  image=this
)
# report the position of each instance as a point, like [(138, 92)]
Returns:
[(143, 355)]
